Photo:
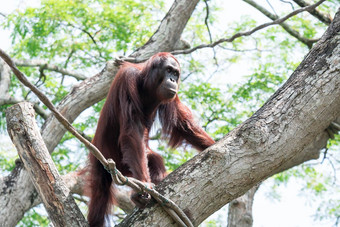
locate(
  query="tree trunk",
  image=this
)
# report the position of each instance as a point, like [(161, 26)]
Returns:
[(58, 201), (240, 212), (275, 138)]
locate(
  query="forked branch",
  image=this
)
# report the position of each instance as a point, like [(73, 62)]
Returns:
[(248, 33)]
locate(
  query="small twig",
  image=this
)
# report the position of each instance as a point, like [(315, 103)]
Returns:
[(109, 164), (207, 25), (271, 7), (80, 198), (287, 2), (39, 63), (89, 35), (187, 76), (334, 170), (41, 80), (324, 155), (248, 33), (206, 19), (335, 125)]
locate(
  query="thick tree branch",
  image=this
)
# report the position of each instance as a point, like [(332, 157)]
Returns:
[(5, 78), (58, 201), (44, 65), (248, 33), (240, 213), (169, 31), (316, 13)]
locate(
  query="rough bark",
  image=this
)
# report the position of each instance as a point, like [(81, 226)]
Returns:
[(85, 94), (58, 201), (167, 36), (271, 140), (18, 192), (5, 73), (240, 213)]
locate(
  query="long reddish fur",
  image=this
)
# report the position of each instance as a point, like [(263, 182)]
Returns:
[(123, 131)]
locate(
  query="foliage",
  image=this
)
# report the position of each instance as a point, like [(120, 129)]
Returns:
[(217, 114), (330, 209), (7, 159), (34, 218), (313, 180), (82, 33), (176, 157)]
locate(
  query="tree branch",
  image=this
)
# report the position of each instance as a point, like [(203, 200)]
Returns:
[(240, 212), (169, 31), (5, 79), (288, 2), (45, 65), (291, 31), (88, 34), (24, 132), (207, 25), (316, 13), (248, 33), (206, 19)]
